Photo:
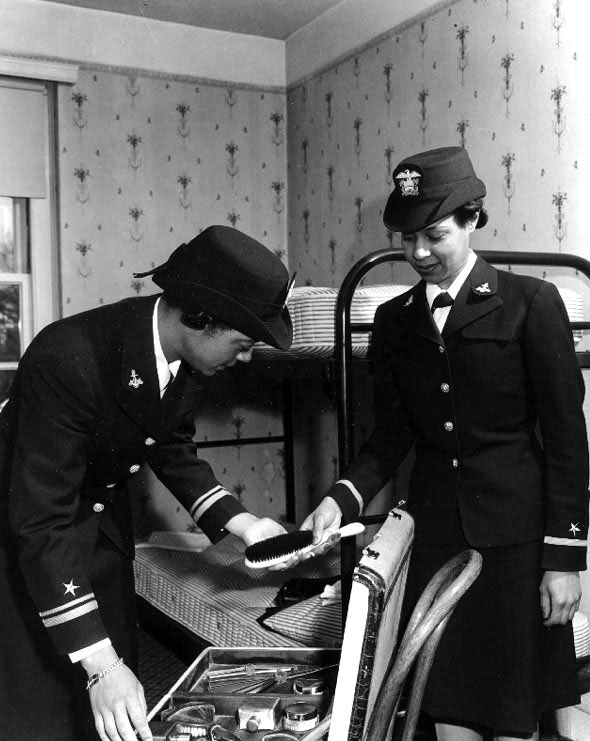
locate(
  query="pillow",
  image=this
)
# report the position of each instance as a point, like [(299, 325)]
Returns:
[(308, 622)]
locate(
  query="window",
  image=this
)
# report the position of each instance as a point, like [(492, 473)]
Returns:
[(29, 257), (15, 287)]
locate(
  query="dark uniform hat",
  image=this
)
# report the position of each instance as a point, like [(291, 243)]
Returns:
[(430, 186), (234, 278)]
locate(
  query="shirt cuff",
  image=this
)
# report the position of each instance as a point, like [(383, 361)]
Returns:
[(84, 652)]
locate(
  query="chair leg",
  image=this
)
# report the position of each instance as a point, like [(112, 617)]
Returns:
[(423, 665), (419, 644)]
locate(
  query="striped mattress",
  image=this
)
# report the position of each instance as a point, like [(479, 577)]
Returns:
[(212, 593), (312, 310)]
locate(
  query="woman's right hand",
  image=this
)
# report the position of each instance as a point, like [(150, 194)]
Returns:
[(117, 700), (323, 521)]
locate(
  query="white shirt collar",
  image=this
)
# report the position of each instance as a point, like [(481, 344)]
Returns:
[(163, 367), (432, 289)]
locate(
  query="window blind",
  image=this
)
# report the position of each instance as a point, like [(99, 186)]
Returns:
[(23, 132)]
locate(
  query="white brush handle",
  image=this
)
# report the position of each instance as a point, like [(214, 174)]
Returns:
[(346, 531), (353, 528)]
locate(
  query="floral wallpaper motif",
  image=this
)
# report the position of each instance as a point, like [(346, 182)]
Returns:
[(502, 78), (146, 163)]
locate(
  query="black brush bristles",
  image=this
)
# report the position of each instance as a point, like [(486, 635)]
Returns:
[(274, 550)]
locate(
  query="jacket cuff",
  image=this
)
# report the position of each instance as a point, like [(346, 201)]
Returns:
[(213, 520), (76, 634), (346, 500), (563, 558)]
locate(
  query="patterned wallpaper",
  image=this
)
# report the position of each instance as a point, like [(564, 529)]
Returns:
[(502, 78), (147, 162)]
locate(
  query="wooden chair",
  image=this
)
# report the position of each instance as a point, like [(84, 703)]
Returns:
[(417, 647)]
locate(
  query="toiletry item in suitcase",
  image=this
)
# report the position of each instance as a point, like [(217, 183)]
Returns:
[(372, 623), (242, 692)]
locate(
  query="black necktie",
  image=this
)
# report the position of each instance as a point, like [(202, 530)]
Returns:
[(443, 299), (169, 383)]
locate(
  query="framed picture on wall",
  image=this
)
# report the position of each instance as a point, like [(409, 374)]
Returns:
[(10, 322)]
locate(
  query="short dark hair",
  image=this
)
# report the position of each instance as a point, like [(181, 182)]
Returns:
[(465, 213), (196, 318)]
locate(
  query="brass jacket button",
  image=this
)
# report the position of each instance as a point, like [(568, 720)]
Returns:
[(98, 507)]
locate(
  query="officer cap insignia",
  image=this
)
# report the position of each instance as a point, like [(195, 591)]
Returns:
[(135, 381), (408, 182), (574, 529)]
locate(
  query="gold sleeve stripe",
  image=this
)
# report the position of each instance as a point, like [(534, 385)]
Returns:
[(68, 605), (349, 485), (207, 501), (66, 617), (550, 540)]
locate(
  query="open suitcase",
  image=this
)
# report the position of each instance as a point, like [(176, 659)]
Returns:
[(258, 693), (372, 622)]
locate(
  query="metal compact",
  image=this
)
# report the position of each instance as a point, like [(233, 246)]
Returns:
[(300, 717)]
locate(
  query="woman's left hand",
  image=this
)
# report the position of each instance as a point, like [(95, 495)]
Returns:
[(560, 596), (251, 529)]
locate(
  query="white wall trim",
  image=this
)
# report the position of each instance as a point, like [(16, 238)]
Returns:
[(37, 69), (37, 29)]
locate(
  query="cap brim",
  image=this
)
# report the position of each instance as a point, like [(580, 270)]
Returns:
[(276, 331)]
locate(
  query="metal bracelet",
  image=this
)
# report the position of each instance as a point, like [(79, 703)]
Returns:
[(99, 675)]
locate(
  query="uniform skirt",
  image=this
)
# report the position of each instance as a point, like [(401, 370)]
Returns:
[(496, 665)]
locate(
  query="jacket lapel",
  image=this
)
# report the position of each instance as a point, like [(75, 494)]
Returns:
[(476, 298), (139, 394), (416, 315)]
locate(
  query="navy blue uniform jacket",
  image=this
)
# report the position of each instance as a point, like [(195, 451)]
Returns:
[(494, 408), (84, 414)]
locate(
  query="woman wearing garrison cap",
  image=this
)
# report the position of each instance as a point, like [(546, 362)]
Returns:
[(469, 365), (86, 410)]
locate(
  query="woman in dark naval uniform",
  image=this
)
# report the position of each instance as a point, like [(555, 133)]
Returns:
[(96, 396), (475, 367)]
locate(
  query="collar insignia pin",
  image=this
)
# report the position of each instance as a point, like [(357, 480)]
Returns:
[(484, 288), (135, 380), (574, 529), (409, 302)]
